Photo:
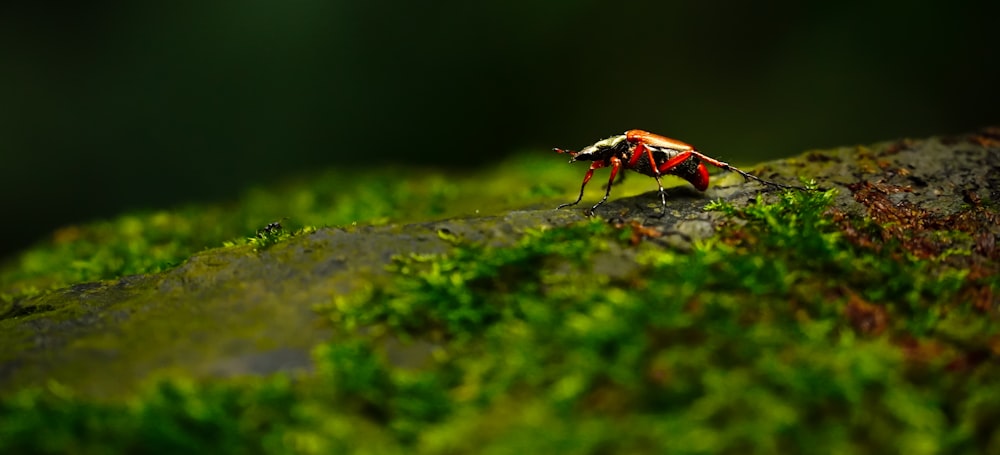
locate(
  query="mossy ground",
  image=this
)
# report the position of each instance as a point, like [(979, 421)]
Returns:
[(796, 329), (149, 242)]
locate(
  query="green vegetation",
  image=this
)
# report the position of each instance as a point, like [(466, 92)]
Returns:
[(149, 242), (786, 333)]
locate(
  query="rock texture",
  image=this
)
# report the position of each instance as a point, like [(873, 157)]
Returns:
[(233, 311)]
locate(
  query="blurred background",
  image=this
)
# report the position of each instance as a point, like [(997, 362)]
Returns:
[(106, 108)]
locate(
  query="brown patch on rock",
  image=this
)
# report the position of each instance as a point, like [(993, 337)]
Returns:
[(923, 351), (915, 228), (638, 231), (866, 318), (987, 137), (898, 146), (817, 157)]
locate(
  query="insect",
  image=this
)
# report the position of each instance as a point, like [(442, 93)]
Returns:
[(653, 155), (271, 228)]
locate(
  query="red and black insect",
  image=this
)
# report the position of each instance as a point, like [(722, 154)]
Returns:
[(653, 155)]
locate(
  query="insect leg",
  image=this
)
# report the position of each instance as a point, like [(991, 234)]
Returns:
[(621, 178), (663, 168), (641, 151), (673, 162), (616, 165), (586, 178), (746, 175)]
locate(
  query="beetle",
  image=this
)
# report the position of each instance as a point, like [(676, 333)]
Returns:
[(653, 155), (271, 228)]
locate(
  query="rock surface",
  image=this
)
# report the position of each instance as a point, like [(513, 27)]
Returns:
[(233, 311)]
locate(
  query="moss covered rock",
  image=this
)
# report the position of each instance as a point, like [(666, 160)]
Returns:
[(859, 316)]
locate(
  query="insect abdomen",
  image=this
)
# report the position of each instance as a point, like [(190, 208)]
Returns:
[(690, 169)]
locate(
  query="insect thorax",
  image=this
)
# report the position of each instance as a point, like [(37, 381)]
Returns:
[(605, 148)]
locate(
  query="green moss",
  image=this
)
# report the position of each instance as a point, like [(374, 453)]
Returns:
[(449, 292), (779, 335), (148, 242)]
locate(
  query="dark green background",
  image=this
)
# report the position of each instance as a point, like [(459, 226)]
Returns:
[(109, 108)]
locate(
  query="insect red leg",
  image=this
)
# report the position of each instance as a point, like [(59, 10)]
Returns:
[(663, 168), (700, 181), (639, 152), (616, 165), (746, 175), (673, 162), (586, 178), (621, 178)]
